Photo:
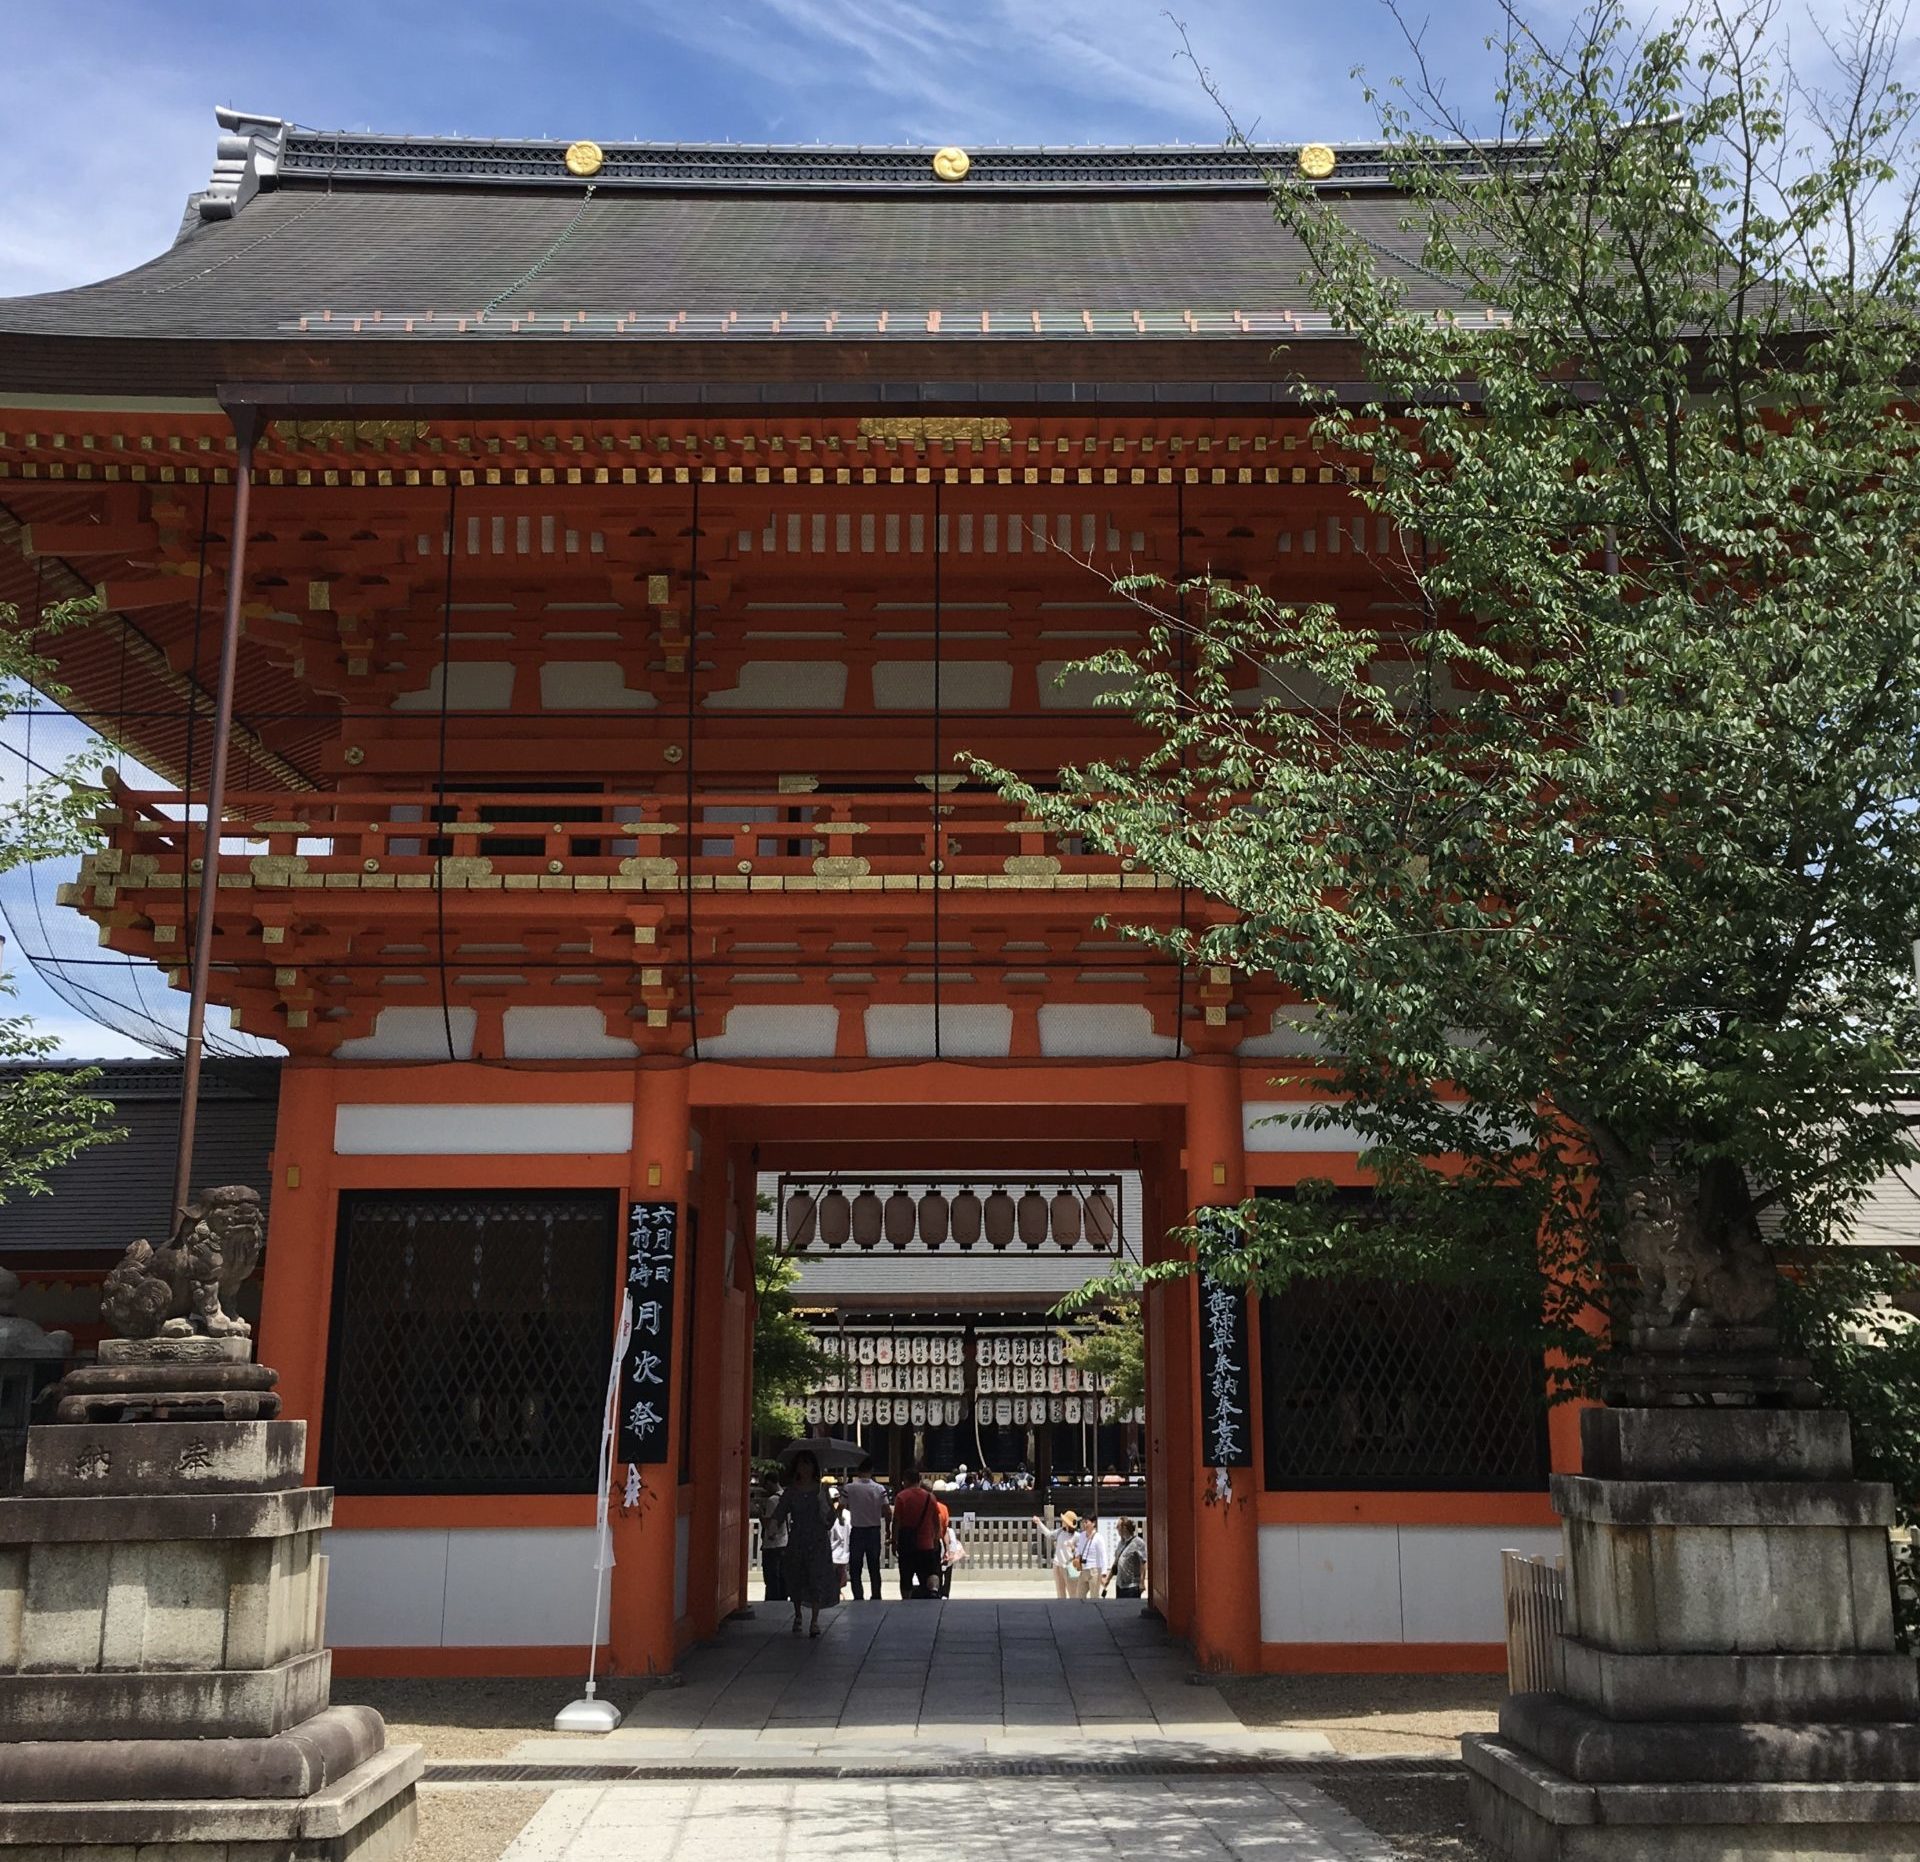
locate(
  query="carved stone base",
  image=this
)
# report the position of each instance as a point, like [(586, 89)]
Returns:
[(368, 1815), (1727, 1367), (1731, 1687), (1528, 1811), (169, 1380)]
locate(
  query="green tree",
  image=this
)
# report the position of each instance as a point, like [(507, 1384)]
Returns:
[(47, 1117), (1114, 1350), (786, 1362), (1594, 847)]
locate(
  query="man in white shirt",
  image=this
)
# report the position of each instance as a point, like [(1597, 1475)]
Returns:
[(866, 1503), (1090, 1552)]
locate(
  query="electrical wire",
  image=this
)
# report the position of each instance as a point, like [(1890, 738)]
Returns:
[(444, 840)]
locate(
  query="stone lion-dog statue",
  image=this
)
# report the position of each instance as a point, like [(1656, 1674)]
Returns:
[(182, 1290)]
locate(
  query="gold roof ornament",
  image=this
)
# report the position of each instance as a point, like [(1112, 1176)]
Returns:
[(951, 164), (1316, 160), (584, 158)]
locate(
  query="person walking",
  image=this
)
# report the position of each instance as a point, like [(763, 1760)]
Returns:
[(1090, 1555), (916, 1540), (808, 1515), (1129, 1561), (1066, 1566), (773, 1543), (867, 1510), (953, 1552), (839, 1535)]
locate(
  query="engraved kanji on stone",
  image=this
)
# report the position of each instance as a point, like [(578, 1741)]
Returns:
[(92, 1463), (196, 1457)]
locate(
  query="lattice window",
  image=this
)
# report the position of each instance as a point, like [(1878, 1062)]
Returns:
[(471, 1341), (1374, 1385)]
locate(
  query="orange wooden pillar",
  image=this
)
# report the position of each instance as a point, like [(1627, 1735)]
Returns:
[(1173, 1429), (296, 1292), (1225, 1632), (645, 1539), (706, 1338)]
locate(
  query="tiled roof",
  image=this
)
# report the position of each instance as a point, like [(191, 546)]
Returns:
[(306, 236)]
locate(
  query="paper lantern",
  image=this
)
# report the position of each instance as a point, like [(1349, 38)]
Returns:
[(898, 1219), (835, 1218), (932, 1219), (883, 1350), (1030, 1219), (999, 1219), (965, 1218), (802, 1214), (1100, 1225), (1064, 1219), (867, 1220)]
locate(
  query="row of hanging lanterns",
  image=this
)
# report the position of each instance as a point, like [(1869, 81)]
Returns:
[(829, 1408), (1068, 1218)]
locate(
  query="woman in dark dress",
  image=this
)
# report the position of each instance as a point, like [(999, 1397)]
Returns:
[(811, 1579)]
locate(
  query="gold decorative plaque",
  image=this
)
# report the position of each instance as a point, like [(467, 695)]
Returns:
[(951, 164), (584, 158), (1316, 161)]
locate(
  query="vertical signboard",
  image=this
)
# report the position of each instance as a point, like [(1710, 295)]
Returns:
[(1226, 1383), (646, 1375)]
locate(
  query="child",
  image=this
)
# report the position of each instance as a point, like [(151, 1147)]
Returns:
[(840, 1537)]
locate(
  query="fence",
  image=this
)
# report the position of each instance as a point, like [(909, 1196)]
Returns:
[(992, 1544), (1535, 1593)]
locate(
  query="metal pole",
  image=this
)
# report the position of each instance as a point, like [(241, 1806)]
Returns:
[(245, 426)]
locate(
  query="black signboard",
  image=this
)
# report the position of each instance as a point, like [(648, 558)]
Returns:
[(1226, 1383), (646, 1375)]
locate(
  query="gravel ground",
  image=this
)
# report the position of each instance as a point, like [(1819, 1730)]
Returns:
[(1423, 1818), (470, 1823), (481, 1719), (1409, 1714)]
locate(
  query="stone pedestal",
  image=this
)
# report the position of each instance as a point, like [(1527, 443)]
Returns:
[(163, 1671), (1731, 1687)]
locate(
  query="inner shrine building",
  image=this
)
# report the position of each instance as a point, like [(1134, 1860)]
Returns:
[(632, 544)]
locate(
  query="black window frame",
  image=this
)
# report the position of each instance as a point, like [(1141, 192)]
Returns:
[(1435, 1358), (600, 1277)]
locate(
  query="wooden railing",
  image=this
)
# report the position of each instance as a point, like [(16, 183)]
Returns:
[(596, 830), (1535, 1593), (992, 1544)]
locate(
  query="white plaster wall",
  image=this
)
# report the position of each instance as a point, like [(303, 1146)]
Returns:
[(1388, 1583), (965, 685), (904, 1030), (784, 685), (775, 1031), (483, 1130), (1075, 690), (1109, 1030), (477, 685), (414, 1034), (589, 685), (576, 1032), (1291, 1032), (470, 1587), (1262, 1135)]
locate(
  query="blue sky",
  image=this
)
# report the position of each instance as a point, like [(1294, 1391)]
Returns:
[(106, 105)]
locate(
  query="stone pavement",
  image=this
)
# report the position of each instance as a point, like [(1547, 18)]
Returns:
[(951, 1820), (952, 1682)]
